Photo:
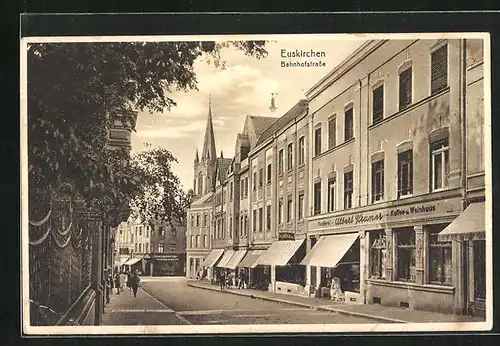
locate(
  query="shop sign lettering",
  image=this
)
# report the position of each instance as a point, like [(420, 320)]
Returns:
[(380, 216), (286, 236)]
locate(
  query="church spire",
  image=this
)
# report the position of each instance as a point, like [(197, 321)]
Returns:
[(196, 158), (209, 152)]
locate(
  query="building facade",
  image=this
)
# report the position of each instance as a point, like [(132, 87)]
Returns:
[(371, 190), (167, 256)]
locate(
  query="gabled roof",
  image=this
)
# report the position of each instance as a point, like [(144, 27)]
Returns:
[(221, 168), (207, 198), (260, 124), (287, 118)]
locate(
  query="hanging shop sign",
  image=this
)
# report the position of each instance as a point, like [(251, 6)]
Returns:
[(286, 236), (387, 215), (168, 257)]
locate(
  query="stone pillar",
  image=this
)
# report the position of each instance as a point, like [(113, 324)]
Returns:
[(389, 266), (308, 280), (419, 254), (272, 288), (363, 262)]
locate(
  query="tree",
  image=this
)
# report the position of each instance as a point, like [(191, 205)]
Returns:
[(77, 91)]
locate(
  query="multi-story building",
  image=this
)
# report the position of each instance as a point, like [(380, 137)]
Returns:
[(167, 256), (132, 242), (374, 185)]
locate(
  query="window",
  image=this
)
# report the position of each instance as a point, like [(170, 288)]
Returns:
[(197, 241), (378, 254), (405, 80), (378, 104), (246, 187), (301, 150), (348, 189), (280, 161), (173, 247), (268, 217), (289, 209), (301, 206), (348, 124), (231, 227), (280, 211), (439, 260), (377, 181), (331, 194), (332, 132), (205, 241), (269, 168), (135, 247), (192, 220), (405, 173), (261, 220), (317, 141), (405, 239), (261, 177), (197, 220), (192, 241), (246, 225), (317, 198), (439, 69), (140, 230), (254, 182), (440, 165), (147, 247), (205, 220), (254, 219), (160, 247), (140, 247), (289, 159)]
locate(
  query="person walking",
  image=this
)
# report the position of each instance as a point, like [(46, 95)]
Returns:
[(129, 282), (135, 283), (117, 283), (222, 279)]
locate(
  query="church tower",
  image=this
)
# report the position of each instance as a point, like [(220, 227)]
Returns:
[(204, 167)]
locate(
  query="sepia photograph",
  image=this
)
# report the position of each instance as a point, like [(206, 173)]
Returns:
[(319, 183)]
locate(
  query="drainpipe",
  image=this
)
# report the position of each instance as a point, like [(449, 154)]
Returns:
[(359, 145), (463, 117)]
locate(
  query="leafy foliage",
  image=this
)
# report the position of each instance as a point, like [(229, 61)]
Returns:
[(78, 91)]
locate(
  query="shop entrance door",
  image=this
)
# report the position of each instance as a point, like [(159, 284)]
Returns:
[(475, 278)]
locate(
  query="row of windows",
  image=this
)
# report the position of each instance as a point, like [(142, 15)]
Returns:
[(439, 266), (139, 247), (439, 175), (195, 220), (195, 241)]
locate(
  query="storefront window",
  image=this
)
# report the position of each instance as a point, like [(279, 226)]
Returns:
[(439, 260), (479, 270), (378, 254), (406, 254)]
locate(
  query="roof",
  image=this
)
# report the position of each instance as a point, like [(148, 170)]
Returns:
[(288, 117), (203, 199), (260, 124), (244, 140), (222, 166)]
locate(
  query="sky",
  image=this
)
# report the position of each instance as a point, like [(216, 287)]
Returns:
[(242, 88)]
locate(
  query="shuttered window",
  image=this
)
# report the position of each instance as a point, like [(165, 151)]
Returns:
[(439, 69), (332, 128), (405, 88), (378, 104), (348, 125)]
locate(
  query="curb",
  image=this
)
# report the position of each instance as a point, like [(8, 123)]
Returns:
[(305, 305)]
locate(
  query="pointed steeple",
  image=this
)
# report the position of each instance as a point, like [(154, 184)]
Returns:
[(209, 152), (221, 154), (196, 158)]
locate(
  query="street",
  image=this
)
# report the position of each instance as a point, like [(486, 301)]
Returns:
[(170, 301)]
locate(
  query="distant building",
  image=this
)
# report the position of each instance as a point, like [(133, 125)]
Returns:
[(167, 255), (132, 244)]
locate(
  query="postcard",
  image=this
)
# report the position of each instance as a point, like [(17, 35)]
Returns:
[(328, 183)]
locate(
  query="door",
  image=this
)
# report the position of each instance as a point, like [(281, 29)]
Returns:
[(475, 278)]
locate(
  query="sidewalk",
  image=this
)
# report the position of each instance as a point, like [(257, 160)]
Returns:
[(125, 309), (380, 313)]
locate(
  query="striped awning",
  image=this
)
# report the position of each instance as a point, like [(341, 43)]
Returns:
[(227, 256), (329, 250), (470, 225), (132, 261), (236, 259), (279, 253), (212, 257), (250, 258)]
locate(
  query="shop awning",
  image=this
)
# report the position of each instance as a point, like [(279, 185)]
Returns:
[(227, 256), (212, 257), (250, 258), (469, 225), (132, 261), (120, 262), (236, 259), (279, 253), (329, 250)]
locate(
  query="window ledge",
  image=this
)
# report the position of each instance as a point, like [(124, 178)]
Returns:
[(410, 285)]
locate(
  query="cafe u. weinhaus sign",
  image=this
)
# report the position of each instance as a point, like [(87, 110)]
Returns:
[(390, 214)]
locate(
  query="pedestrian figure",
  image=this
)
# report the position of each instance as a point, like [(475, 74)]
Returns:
[(117, 282), (129, 282), (222, 279), (242, 279), (107, 289), (135, 283)]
